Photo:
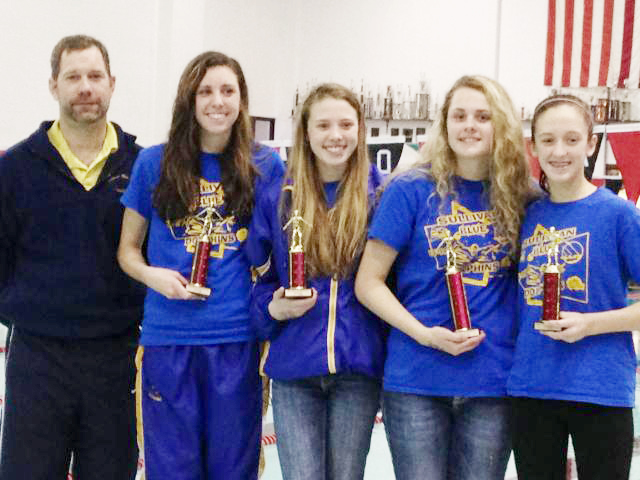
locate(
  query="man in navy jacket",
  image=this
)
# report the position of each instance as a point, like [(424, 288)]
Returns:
[(74, 314)]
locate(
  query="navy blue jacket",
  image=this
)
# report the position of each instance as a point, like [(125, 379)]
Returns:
[(337, 335), (59, 275)]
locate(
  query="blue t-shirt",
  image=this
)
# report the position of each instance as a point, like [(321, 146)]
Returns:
[(224, 315), (331, 192), (598, 254), (412, 220)]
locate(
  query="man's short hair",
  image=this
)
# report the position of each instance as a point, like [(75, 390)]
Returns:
[(76, 42)]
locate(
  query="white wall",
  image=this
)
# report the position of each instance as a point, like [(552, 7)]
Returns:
[(281, 44), (30, 28), (259, 34)]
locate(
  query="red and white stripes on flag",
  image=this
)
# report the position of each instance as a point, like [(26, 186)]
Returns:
[(593, 43)]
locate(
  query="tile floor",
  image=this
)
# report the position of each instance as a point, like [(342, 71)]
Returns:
[(379, 465), (379, 460)]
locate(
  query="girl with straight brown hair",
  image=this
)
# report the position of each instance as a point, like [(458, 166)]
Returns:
[(200, 390)]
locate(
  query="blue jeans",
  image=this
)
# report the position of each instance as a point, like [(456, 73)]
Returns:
[(440, 438), (323, 425)]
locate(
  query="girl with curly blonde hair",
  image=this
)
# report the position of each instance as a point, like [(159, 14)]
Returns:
[(444, 400)]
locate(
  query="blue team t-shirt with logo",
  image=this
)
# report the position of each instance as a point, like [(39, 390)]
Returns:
[(413, 221), (598, 253), (224, 315)]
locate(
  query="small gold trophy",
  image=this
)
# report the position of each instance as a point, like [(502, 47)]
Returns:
[(457, 295), (297, 279), (551, 286)]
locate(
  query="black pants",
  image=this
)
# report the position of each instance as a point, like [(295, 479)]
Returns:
[(65, 396), (602, 439)]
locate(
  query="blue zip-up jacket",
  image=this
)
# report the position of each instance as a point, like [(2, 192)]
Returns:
[(58, 271), (337, 335)]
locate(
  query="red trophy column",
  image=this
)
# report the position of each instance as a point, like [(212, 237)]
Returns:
[(551, 280), (297, 279), (457, 294), (199, 268)]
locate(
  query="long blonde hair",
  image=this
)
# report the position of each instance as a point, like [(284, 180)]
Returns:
[(337, 236), (509, 181)]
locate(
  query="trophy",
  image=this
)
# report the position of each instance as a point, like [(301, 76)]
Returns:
[(297, 282), (200, 266), (457, 295), (551, 286)]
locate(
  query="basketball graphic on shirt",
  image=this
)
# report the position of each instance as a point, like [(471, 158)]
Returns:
[(571, 252), (574, 260)]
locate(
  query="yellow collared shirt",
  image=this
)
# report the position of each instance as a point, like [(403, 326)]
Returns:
[(87, 175)]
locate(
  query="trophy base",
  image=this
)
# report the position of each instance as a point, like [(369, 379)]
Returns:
[(469, 332), (199, 290), (543, 326), (298, 293)]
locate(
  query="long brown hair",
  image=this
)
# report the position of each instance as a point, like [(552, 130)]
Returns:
[(337, 236), (509, 183), (178, 190)]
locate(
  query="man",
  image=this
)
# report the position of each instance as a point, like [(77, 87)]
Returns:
[(74, 313)]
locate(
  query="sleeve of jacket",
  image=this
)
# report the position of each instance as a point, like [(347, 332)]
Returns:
[(8, 222), (259, 248), (262, 324)]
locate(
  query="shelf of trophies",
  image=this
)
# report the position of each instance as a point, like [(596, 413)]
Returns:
[(614, 111), (405, 110), (413, 131), (398, 112), (609, 105)]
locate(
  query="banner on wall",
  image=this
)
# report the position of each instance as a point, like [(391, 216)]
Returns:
[(386, 155), (593, 43), (386, 152)]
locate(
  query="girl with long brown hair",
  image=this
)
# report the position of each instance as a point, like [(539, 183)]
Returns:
[(576, 378), (325, 353), (198, 362)]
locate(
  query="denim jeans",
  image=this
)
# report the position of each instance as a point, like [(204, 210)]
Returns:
[(323, 425), (440, 438)]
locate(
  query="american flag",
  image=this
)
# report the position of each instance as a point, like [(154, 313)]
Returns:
[(593, 43)]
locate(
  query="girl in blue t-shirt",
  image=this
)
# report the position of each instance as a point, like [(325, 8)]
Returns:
[(191, 198), (580, 380), (325, 352), (444, 405)]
